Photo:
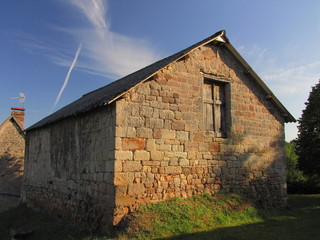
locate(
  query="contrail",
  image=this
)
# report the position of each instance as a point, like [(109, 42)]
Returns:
[(68, 75)]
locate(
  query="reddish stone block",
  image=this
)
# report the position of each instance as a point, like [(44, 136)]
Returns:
[(195, 88), (214, 146), (178, 125), (157, 133), (176, 95), (154, 92), (167, 99), (168, 76), (273, 144), (197, 137), (133, 144), (239, 129)]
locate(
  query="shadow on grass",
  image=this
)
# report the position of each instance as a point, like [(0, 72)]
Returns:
[(300, 221), (41, 225)]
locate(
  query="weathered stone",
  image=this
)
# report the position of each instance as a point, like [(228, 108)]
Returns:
[(118, 165), (136, 189), (168, 134), (183, 162), (214, 146), (154, 123), (135, 122), (146, 111), (151, 145), (141, 155), (125, 201), (197, 137), (157, 134), (177, 182), (123, 178), (157, 155), (121, 190), (144, 133), (182, 135), (155, 142), (123, 155), (166, 114), (172, 170), (178, 125), (132, 166), (133, 144)]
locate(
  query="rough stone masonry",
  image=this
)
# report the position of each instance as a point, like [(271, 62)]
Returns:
[(12, 146), (153, 143)]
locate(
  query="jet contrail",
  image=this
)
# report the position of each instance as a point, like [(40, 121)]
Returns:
[(68, 75)]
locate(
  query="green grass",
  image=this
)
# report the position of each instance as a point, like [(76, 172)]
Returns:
[(219, 217), (178, 216)]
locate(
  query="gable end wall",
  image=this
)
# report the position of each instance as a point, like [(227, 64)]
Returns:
[(163, 151), (11, 163)]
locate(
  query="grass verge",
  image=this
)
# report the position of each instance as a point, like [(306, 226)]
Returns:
[(184, 216), (218, 217)]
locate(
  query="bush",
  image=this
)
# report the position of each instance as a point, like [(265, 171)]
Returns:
[(298, 182)]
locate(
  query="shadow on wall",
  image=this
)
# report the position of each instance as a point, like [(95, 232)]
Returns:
[(257, 171), (11, 171), (257, 144)]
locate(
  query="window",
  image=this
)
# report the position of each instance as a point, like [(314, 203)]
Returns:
[(215, 108)]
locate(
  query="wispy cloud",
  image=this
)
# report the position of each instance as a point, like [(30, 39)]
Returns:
[(287, 78), (104, 52), (290, 77), (293, 80)]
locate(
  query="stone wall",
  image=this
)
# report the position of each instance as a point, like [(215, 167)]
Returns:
[(11, 157), (152, 145), (163, 151), (69, 168)]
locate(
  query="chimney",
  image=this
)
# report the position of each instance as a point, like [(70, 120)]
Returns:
[(18, 114)]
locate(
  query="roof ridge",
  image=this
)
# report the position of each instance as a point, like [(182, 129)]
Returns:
[(112, 91)]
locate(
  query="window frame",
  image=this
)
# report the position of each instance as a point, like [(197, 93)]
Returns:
[(221, 111)]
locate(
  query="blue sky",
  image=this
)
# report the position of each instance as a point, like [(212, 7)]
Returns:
[(39, 41)]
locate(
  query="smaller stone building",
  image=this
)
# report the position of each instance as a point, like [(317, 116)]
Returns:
[(12, 144), (199, 121)]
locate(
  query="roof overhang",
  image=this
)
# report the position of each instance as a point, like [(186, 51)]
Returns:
[(115, 90), (269, 94)]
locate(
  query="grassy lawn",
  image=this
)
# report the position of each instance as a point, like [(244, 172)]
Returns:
[(300, 221), (224, 217)]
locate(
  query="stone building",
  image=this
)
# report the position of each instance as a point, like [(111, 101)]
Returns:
[(12, 145), (199, 121)]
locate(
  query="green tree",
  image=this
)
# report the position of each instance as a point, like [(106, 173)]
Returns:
[(293, 172), (308, 141)]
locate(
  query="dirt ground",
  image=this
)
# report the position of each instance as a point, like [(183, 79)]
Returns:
[(8, 201)]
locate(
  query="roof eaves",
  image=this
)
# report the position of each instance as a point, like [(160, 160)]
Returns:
[(285, 113), (219, 37), (21, 130), (19, 124), (4, 122)]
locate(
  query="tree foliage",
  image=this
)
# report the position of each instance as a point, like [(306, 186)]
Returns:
[(293, 172), (308, 141)]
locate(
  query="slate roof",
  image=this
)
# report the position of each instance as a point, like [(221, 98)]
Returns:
[(110, 92)]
